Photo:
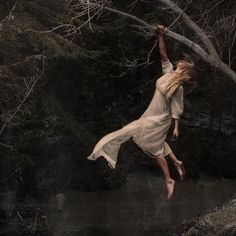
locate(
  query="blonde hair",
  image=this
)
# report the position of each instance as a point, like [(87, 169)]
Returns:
[(185, 72)]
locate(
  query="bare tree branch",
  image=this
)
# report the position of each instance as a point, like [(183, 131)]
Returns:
[(92, 8), (211, 58), (189, 22)]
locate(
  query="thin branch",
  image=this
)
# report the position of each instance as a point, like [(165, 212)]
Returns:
[(150, 52), (10, 175), (6, 146), (180, 15), (25, 98), (19, 215), (10, 16)]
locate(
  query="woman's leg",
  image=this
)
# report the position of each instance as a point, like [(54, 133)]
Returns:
[(170, 183), (178, 165)]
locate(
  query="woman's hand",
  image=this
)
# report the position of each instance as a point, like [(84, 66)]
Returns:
[(160, 29), (176, 129), (176, 133)]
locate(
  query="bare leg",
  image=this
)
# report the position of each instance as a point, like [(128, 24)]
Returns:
[(170, 183), (178, 165)]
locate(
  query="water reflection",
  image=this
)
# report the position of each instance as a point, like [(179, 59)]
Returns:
[(139, 208)]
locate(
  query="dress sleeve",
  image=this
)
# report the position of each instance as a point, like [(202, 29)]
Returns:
[(166, 66), (177, 103)]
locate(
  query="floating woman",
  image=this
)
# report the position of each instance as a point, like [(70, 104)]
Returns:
[(149, 132)]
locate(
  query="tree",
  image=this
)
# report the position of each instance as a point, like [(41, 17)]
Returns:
[(203, 44)]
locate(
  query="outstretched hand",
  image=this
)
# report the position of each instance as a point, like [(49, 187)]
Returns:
[(160, 29)]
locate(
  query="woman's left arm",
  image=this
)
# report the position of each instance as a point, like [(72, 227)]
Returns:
[(177, 108)]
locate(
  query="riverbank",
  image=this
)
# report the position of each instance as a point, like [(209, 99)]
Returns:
[(219, 222)]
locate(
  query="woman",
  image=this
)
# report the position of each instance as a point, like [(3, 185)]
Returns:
[(150, 130)]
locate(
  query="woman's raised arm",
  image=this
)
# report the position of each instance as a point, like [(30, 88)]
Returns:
[(162, 44), (165, 62)]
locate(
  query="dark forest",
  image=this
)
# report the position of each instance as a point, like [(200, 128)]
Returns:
[(72, 71)]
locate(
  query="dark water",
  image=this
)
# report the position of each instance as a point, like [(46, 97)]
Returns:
[(139, 208)]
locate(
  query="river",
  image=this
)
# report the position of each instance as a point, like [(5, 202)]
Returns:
[(138, 208)]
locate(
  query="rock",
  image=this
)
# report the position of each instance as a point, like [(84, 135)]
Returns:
[(233, 203), (229, 230), (219, 222)]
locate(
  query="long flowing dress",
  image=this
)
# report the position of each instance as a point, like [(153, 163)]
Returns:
[(149, 132)]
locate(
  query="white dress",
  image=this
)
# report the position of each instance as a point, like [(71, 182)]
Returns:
[(150, 130)]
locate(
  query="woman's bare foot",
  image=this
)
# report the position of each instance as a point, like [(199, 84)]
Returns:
[(180, 168), (170, 184)]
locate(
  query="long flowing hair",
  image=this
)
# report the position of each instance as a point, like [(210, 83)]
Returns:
[(186, 73)]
